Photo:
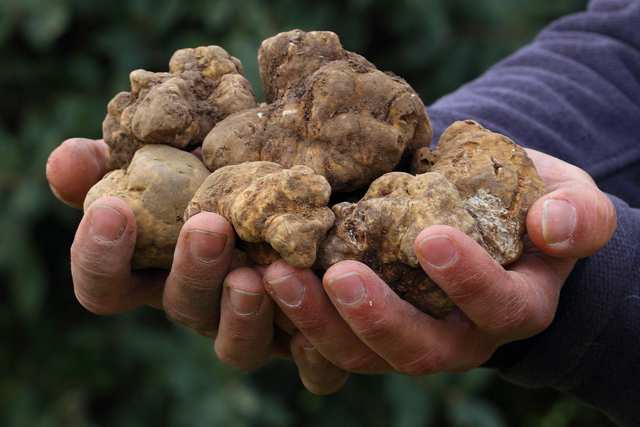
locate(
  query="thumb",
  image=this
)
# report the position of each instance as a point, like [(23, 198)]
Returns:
[(74, 167), (572, 222)]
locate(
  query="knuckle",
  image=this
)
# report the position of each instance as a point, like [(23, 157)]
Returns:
[(193, 279), (92, 287), (239, 358), (469, 287), (324, 381), (198, 323), (375, 330), (88, 264), (428, 363), (514, 315), (311, 326), (538, 320), (99, 306), (361, 362), (200, 294), (471, 362)]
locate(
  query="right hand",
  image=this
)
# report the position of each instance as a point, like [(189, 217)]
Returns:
[(199, 292), (355, 321)]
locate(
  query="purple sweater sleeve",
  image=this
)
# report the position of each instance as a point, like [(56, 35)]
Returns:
[(574, 93)]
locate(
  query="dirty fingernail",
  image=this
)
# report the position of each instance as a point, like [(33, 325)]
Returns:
[(206, 246), (244, 302), (348, 288), (313, 355), (289, 289), (107, 224), (558, 221), (439, 251)]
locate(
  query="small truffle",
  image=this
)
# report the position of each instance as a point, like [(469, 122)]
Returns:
[(157, 185), (178, 108), (286, 208), (328, 109)]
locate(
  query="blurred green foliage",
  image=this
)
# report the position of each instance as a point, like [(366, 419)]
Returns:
[(61, 61)]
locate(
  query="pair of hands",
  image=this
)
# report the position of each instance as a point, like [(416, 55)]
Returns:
[(349, 320)]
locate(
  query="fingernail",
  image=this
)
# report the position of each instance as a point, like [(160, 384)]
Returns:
[(558, 221), (205, 246), (348, 288), (439, 251), (107, 224), (313, 355), (289, 289), (244, 302)]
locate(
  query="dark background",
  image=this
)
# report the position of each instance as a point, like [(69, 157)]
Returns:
[(61, 61)]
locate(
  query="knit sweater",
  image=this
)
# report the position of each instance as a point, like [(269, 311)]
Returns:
[(574, 93)]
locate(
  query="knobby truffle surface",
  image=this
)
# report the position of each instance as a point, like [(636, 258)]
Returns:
[(380, 231), (497, 182), (477, 181), (158, 184), (328, 109), (274, 210), (178, 108), (332, 122)]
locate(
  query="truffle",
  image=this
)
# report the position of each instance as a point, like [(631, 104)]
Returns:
[(157, 185), (275, 211), (178, 108), (328, 109)]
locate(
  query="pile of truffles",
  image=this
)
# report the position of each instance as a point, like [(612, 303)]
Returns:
[(289, 174)]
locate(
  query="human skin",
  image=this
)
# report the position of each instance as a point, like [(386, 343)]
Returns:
[(348, 320)]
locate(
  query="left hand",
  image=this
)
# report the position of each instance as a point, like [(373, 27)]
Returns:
[(199, 292)]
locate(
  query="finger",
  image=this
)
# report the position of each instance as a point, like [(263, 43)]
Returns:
[(202, 258), (318, 375), (499, 302), (572, 222), (300, 295), (101, 261), (412, 342), (245, 339), (74, 167), (283, 322), (575, 219)]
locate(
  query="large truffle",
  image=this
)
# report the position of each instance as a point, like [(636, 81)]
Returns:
[(380, 231), (178, 108), (270, 205), (477, 181), (157, 185), (497, 182), (328, 109)]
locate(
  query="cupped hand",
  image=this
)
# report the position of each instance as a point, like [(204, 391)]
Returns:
[(350, 321), (199, 292), (353, 321)]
